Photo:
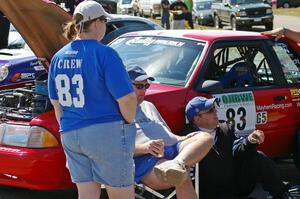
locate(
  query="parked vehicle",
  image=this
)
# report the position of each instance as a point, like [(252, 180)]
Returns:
[(202, 13), (125, 6), (19, 65), (256, 81), (150, 8), (288, 3), (242, 14)]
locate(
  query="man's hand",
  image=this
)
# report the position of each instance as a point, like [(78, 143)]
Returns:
[(154, 147), (256, 137)]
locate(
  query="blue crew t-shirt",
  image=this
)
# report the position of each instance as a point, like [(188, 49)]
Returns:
[(87, 78)]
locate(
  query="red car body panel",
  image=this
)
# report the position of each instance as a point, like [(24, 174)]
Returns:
[(39, 169), (45, 168)]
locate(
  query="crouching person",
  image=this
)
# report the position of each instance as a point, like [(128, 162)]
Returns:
[(162, 158), (233, 166)]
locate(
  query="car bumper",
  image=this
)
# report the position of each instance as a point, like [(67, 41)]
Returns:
[(205, 20), (39, 169), (254, 21)]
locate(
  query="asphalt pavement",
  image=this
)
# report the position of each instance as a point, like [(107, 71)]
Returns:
[(287, 169)]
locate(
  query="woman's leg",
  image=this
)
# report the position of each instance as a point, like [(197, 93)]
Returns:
[(88, 190), (120, 192)]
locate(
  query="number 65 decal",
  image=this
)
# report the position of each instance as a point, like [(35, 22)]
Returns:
[(241, 114), (261, 117)]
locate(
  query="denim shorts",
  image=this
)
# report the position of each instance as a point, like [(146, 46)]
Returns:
[(145, 163), (101, 153)]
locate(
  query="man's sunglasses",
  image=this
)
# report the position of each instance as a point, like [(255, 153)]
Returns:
[(103, 19), (141, 86)]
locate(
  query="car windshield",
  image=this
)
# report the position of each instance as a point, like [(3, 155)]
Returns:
[(169, 60), (235, 2), (15, 40), (203, 5)]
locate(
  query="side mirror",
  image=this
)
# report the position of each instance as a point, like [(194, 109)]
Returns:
[(210, 86)]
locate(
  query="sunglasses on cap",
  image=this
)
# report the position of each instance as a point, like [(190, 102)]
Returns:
[(141, 86), (211, 110)]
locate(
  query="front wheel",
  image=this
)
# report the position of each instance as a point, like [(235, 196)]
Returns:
[(217, 23), (233, 24), (296, 155), (286, 5)]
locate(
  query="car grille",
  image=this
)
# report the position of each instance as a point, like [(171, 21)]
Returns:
[(256, 12)]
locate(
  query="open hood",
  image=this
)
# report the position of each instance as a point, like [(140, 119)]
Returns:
[(40, 24)]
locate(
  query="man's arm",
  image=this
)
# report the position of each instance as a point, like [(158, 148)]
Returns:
[(280, 32), (246, 146)]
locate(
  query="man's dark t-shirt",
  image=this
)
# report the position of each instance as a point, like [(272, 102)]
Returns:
[(178, 5), (166, 3)]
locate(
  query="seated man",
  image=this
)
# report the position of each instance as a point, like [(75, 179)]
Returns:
[(162, 158), (233, 166)]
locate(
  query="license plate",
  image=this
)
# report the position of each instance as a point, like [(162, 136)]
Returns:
[(256, 20)]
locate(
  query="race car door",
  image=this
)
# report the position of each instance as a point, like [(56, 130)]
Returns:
[(255, 93)]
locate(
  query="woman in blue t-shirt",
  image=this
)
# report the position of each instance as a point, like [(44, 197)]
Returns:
[(94, 103)]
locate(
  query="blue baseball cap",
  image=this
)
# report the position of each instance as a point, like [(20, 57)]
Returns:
[(136, 73), (196, 105)]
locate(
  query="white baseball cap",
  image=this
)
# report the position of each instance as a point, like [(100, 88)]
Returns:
[(90, 10)]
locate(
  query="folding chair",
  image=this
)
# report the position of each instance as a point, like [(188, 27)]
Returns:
[(142, 191)]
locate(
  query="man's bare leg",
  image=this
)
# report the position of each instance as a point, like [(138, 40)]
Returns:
[(195, 148), (185, 190)]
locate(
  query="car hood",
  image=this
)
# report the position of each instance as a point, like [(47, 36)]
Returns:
[(204, 12), (15, 55), (253, 5), (40, 24)]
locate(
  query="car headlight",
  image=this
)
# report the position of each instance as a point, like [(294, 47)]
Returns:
[(241, 13), (269, 11), (26, 136), (4, 72)]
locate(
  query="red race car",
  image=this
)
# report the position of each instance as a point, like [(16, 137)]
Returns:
[(256, 81)]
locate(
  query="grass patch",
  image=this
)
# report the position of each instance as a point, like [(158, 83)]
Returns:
[(287, 11)]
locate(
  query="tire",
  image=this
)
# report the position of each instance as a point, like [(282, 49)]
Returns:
[(217, 23), (233, 23), (296, 154), (286, 5), (269, 26)]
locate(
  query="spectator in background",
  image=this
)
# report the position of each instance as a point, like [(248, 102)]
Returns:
[(178, 9), (189, 14), (71, 4), (165, 15), (284, 32), (4, 27)]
